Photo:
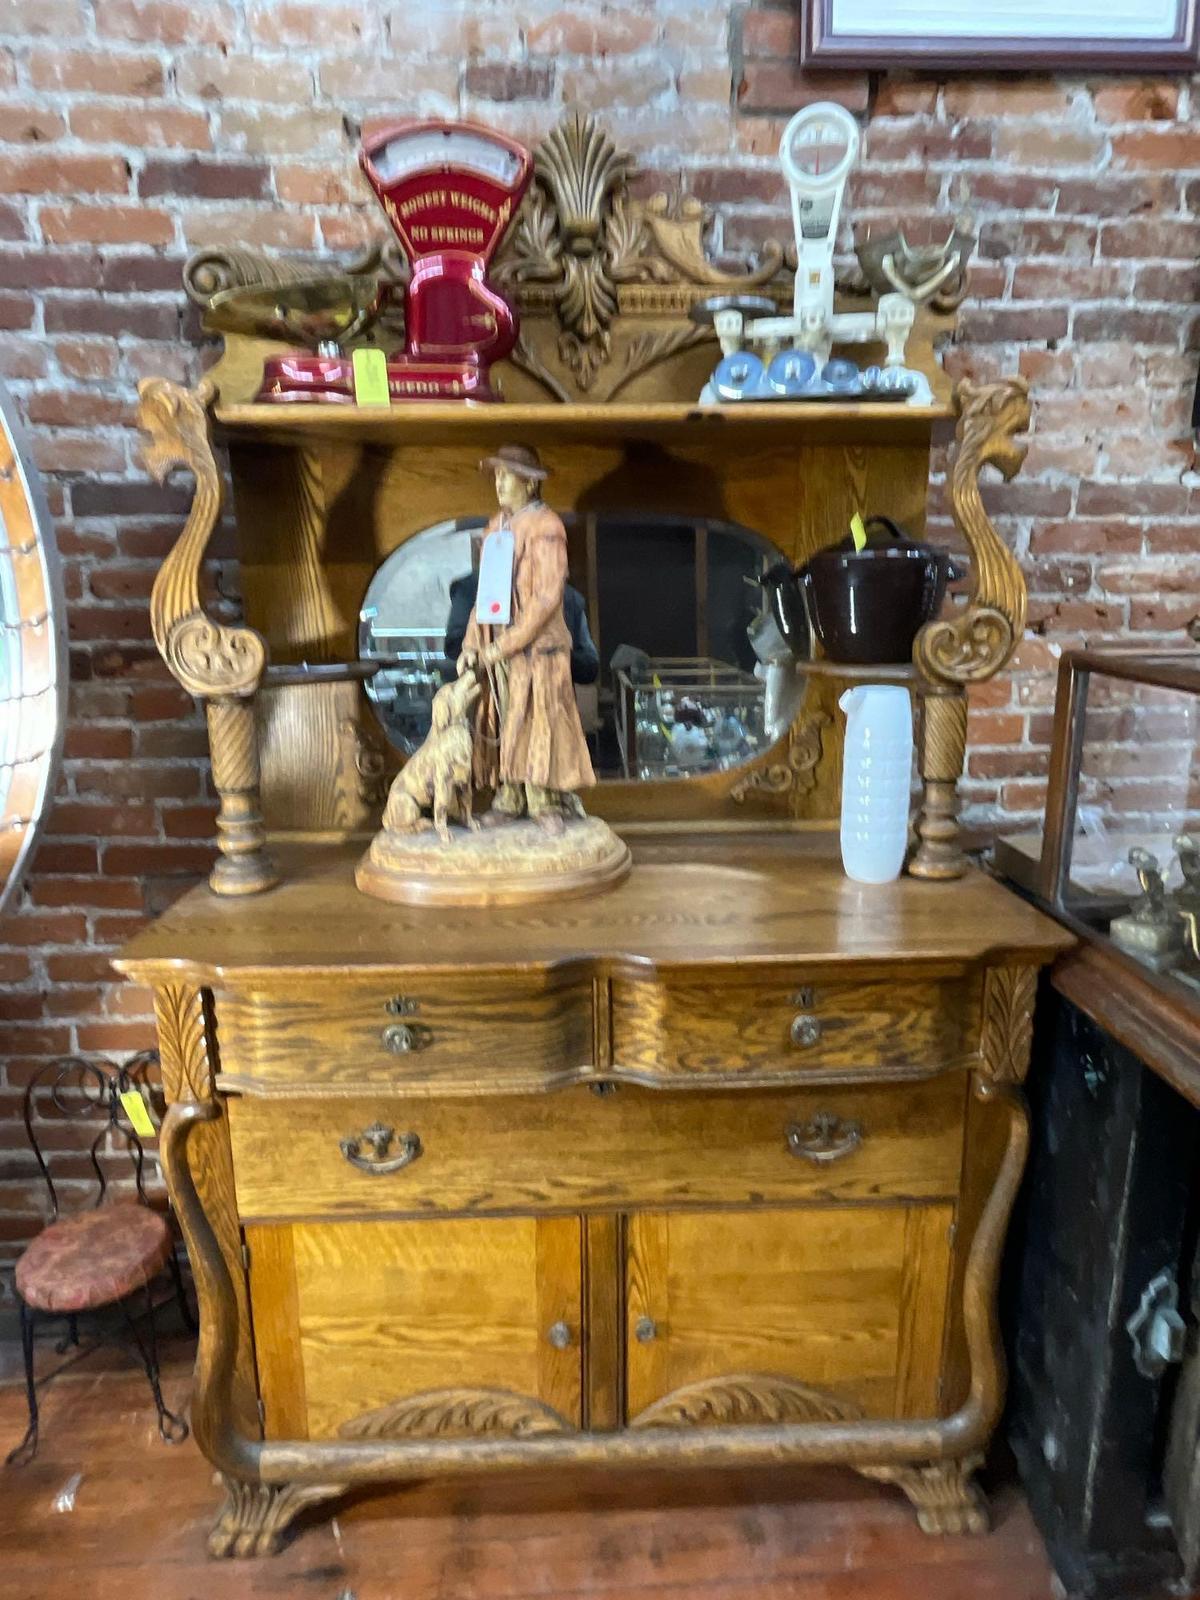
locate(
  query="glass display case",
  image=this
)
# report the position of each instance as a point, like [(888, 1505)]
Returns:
[(684, 714), (1119, 858)]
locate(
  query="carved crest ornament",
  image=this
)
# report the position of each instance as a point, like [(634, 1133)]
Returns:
[(581, 239)]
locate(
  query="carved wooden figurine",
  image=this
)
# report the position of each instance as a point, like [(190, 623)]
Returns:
[(527, 745), (438, 776), (529, 742)]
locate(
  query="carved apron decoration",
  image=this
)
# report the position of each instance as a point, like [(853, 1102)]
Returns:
[(527, 725)]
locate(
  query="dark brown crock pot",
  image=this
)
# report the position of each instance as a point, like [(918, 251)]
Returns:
[(867, 606)]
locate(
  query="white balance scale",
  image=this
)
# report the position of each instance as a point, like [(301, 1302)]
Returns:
[(817, 152)]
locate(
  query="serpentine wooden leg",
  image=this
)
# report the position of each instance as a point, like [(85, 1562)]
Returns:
[(944, 1493), (243, 866), (255, 1516), (943, 746)]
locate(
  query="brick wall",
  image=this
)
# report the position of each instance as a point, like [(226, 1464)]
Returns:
[(133, 130)]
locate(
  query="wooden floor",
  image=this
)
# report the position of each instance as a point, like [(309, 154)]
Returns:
[(142, 1508)]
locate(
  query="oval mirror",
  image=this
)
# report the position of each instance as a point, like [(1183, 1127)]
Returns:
[(33, 658), (677, 665)]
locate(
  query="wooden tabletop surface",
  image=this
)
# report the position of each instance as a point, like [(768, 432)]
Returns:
[(691, 899)]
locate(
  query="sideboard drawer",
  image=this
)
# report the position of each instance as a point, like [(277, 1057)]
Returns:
[(753, 1030), (575, 1150), (434, 1035)]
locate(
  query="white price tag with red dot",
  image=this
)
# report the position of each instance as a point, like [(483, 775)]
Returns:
[(493, 599)]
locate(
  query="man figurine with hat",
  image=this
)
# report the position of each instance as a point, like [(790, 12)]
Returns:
[(529, 744)]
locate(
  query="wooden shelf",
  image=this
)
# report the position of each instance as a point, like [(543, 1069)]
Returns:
[(899, 672), (466, 424)]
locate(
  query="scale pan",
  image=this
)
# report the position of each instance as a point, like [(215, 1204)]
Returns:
[(309, 312), (750, 305)]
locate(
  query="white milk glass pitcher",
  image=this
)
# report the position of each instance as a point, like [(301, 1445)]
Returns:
[(876, 781)]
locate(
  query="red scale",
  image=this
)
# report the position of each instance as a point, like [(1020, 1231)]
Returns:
[(450, 191)]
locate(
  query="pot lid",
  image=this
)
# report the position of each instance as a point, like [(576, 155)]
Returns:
[(884, 538)]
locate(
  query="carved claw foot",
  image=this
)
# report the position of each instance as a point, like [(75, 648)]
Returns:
[(944, 1493), (256, 1516)]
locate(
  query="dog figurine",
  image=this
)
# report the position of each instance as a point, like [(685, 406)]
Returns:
[(437, 777)]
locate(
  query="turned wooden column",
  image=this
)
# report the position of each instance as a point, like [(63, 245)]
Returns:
[(233, 744), (220, 665), (943, 743), (976, 642)]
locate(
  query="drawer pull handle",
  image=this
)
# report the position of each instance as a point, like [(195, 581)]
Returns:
[(805, 1031), (560, 1336), (824, 1138), (645, 1330), (378, 1140), (401, 1038)]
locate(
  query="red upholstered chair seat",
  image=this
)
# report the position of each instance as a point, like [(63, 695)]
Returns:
[(93, 1258)]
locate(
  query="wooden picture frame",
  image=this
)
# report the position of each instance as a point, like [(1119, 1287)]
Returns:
[(844, 34)]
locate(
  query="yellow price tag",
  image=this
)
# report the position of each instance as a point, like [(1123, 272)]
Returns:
[(370, 378), (858, 532), (135, 1109)]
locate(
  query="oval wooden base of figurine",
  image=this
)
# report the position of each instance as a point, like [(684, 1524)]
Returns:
[(513, 863)]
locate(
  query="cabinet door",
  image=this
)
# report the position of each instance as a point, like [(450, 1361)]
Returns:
[(785, 1315), (405, 1329)]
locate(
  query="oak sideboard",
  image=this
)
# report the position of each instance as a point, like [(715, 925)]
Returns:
[(715, 1167)]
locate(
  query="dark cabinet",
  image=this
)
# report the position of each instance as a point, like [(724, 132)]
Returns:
[(1109, 1205)]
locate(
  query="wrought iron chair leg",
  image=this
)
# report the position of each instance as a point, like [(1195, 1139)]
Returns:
[(27, 1449), (71, 1337), (185, 1310), (172, 1428)]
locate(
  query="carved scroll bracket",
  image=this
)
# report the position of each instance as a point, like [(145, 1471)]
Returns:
[(973, 645), (207, 657), (794, 776), (221, 665)]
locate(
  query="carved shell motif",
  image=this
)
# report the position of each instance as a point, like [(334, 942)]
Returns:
[(579, 232), (457, 1414), (753, 1399)]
